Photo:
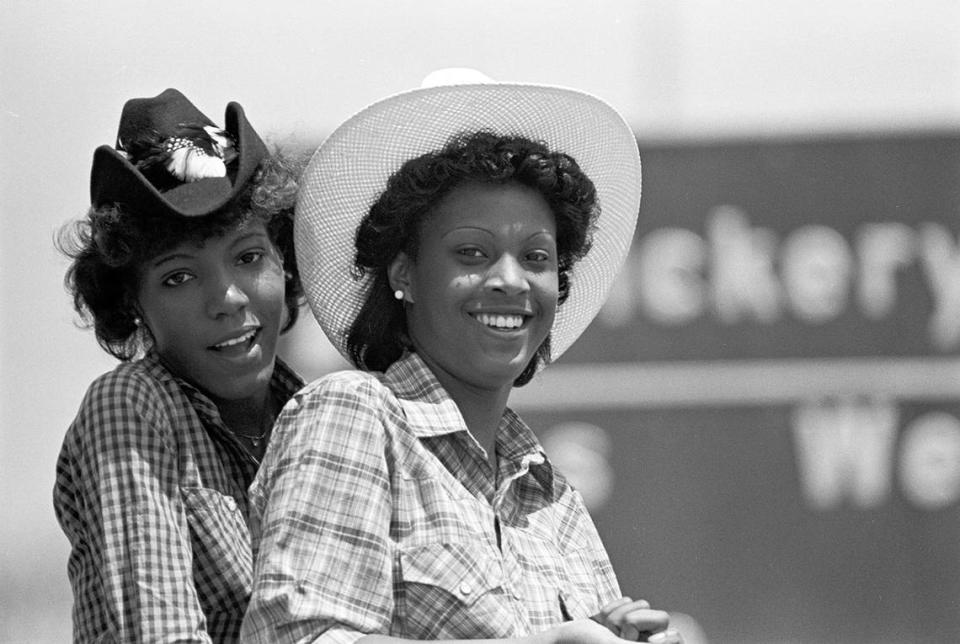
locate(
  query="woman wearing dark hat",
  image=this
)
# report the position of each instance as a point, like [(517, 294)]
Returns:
[(184, 267), (450, 248)]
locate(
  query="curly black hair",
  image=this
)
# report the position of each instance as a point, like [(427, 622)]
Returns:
[(378, 335), (109, 246)]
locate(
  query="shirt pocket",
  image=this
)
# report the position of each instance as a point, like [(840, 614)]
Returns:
[(222, 556), (451, 590)]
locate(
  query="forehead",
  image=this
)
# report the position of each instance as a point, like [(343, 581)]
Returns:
[(202, 236), (492, 207), (207, 242)]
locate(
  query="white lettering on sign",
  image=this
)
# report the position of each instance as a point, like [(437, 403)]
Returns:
[(816, 266), (941, 260), (740, 273), (930, 461), (844, 451), (884, 250), (670, 265), (744, 285)]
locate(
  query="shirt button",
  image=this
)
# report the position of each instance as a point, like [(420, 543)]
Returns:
[(231, 503), (465, 588)]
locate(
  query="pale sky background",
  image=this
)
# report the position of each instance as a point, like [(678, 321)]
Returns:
[(690, 69)]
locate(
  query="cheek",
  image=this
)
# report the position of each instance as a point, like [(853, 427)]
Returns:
[(549, 285), (274, 287), (270, 288), (549, 298), (464, 282), (171, 332), (167, 317), (426, 284)]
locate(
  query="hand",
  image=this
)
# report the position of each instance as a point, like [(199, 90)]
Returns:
[(579, 631), (637, 622), (588, 631)]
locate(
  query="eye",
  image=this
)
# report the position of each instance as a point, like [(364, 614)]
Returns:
[(177, 278), (471, 252), (539, 256), (251, 256)]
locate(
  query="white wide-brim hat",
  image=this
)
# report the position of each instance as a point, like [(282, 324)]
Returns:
[(349, 171)]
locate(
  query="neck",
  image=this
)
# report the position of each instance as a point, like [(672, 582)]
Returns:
[(481, 407), (249, 416)]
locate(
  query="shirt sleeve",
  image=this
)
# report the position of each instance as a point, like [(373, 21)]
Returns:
[(322, 500), (117, 498)]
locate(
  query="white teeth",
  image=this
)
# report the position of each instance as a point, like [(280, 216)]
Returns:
[(500, 321), (229, 343)]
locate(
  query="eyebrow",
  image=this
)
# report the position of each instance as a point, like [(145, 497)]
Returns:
[(253, 233), (491, 233), (163, 259)]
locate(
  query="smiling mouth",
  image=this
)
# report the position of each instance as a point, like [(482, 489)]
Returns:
[(502, 322), (246, 338)]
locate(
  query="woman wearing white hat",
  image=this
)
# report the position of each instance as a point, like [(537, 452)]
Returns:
[(449, 247)]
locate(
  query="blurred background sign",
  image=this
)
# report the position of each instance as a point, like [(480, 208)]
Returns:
[(766, 416)]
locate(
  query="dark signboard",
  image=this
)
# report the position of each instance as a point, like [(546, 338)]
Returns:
[(766, 416)]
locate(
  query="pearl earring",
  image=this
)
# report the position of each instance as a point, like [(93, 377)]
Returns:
[(398, 294), (137, 321)]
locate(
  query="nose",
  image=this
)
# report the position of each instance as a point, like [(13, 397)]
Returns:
[(508, 276), (225, 296)]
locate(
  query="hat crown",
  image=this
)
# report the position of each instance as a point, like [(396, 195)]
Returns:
[(162, 114), (455, 76), (170, 159)]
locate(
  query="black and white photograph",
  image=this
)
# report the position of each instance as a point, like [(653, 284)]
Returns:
[(537, 322)]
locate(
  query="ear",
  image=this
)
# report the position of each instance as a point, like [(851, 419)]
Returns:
[(399, 275), (134, 307), (137, 313)]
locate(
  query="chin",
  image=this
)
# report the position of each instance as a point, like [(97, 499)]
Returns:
[(501, 374), (246, 387)]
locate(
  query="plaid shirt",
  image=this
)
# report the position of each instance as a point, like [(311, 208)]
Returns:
[(381, 514), (151, 492)]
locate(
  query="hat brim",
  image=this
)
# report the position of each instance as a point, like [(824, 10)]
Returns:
[(114, 180), (350, 169)]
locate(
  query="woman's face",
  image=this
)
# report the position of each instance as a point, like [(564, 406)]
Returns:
[(483, 291), (215, 310)]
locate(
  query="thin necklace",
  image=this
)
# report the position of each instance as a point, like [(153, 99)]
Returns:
[(255, 440)]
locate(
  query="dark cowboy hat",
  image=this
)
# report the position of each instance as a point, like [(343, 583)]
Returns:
[(170, 159)]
